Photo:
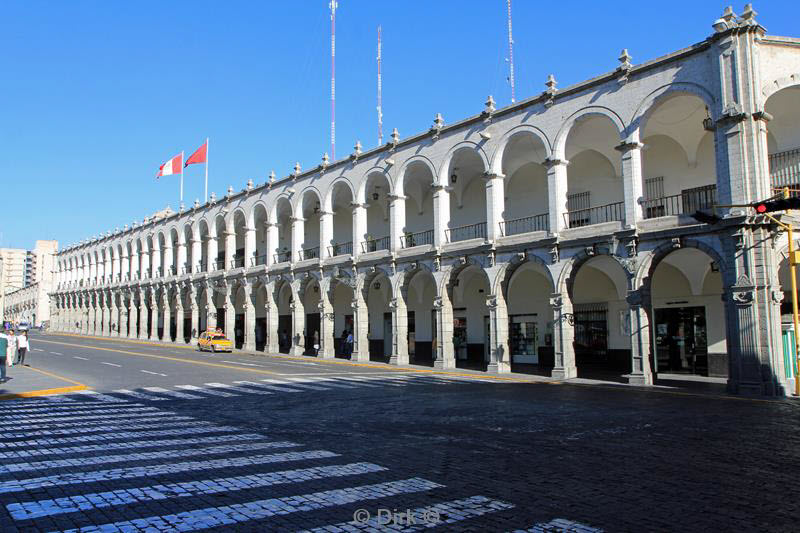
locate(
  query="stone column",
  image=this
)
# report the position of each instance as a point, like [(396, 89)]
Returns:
[(360, 327), (211, 253), (230, 250), (359, 227), (641, 373), (134, 310), (272, 239), (124, 267), (397, 221), (106, 310), (495, 205), (153, 331), (298, 325), (167, 266), (141, 310), (166, 336), (441, 214), (325, 235), (230, 312), (211, 309), (499, 356), (249, 318), (122, 330), (271, 338), (632, 181), (195, 311), (179, 333), (146, 264), (557, 193), (399, 330), (197, 254), (563, 337), (181, 266), (249, 245), (444, 356), (298, 234), (134, 263), (327, 347)]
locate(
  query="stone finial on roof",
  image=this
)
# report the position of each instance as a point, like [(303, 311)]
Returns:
[(625, 60), (395, 138), (749, 16), (125, 227), (297, 169), (212, 198), (551, 90), (230, 191), (250, 184), (196, 203), (325, 161), (489, 109), (357, 150), (438, 122), (271, 179)]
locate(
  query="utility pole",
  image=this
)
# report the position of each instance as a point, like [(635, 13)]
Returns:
[(333, 5), (510, 53), (380, 102)]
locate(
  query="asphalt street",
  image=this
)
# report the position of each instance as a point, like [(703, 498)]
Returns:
[(170, 439)]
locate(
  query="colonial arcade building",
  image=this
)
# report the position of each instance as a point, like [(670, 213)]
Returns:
[(551, 236)]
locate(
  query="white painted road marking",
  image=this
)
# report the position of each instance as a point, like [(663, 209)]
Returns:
[(173, 393), (110, 364), (154, 373), (81, 358)]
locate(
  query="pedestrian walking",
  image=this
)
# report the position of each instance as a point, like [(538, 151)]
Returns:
[(316, 342), (343, 342), (23, 345), (3, 357), (349, 343), (11, 351)]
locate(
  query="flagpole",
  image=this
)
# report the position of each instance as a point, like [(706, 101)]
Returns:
[(206, 169), (181, 178)]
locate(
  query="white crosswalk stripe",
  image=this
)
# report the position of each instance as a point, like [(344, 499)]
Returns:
[(237, 389), (94, 395), (140, 395), (296, 382), (210, 392), (265, 386), (173, 393)]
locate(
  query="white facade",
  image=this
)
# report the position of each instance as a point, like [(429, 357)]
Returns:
[(553, 232), (14, 261)]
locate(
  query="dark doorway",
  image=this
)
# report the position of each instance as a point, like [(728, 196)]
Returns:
[(284, 333), (681, 341), (312, 326), (221, 319), (340, 336), (238, 329), (261, 333), (187, 329)]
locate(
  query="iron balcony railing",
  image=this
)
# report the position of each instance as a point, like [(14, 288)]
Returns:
[(258, 260), (525, 224), (237, 262), (160, 272), (173, 270), (309, 253), (187, 269), (784, 170), (595, 215), (201, 267), (684, 203), (420, 238), (373, 245), (343, 248), (283, 257), (463, 233), (219, 264)]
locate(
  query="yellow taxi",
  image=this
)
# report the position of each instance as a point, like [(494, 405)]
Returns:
[(214, 341)]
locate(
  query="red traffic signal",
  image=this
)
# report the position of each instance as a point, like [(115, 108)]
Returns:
[(780, 204)]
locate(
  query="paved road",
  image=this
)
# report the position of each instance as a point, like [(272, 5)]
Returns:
[(174, 440)]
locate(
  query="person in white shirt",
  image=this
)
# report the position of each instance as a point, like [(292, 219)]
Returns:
[(11, 352), (23, 344), (3, 358)]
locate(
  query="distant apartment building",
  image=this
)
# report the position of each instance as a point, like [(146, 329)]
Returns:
[(25, 280)]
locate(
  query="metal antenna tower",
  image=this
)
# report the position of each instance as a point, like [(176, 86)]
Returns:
[(333, 5), (510, 53), (380, 101)]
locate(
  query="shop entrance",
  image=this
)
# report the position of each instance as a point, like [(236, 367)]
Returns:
[(523, 339), (284, 333), (238, 329), (312, 327), (681, 341)]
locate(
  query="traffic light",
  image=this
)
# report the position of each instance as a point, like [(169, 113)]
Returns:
[(779, 204)]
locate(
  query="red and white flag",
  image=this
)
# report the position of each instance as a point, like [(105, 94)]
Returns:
[(172, 166), (199, 155)]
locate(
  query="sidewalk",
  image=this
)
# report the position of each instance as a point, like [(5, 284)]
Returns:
[(27, 382)]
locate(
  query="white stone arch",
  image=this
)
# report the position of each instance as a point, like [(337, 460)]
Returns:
[(413, 160), (258, 204), (362, 184), (273, 211), (496, 166), (444, 168), (506, 275), (327, 204), (652, 101), (231, 218), (773, 86), (559, 145), (297, 208)]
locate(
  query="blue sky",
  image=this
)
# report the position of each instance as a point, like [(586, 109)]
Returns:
[(96, 95)]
